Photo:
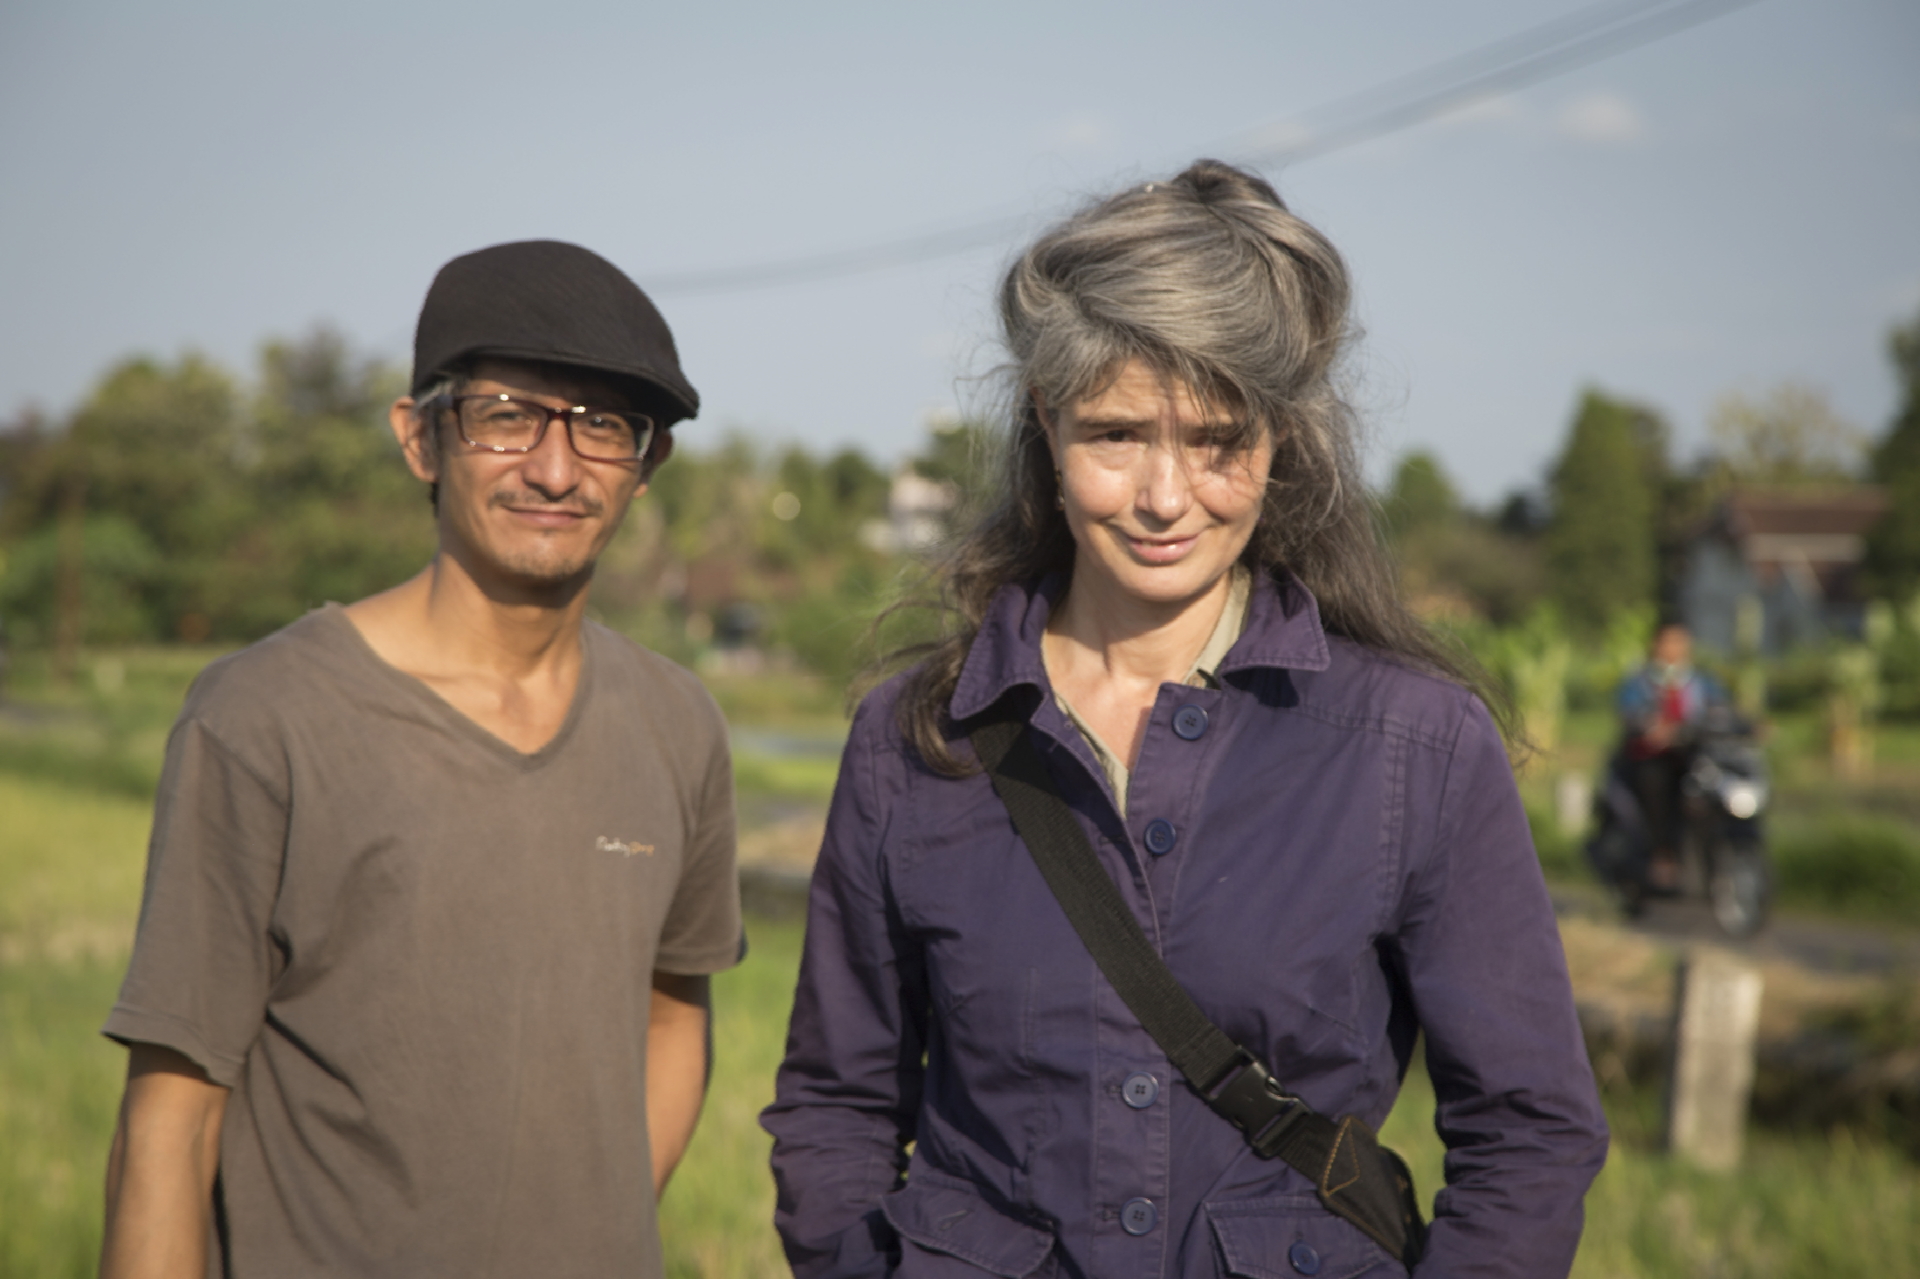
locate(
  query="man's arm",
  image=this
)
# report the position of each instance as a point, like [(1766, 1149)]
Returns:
[(679, 1044), (166, 1148)]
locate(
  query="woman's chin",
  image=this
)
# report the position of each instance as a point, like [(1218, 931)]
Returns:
[(1163, 586)]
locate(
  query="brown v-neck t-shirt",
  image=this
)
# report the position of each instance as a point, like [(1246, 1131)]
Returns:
[(423, 960)]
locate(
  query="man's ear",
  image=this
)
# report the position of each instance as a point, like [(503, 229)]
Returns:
[(657, 454), (419, 443)]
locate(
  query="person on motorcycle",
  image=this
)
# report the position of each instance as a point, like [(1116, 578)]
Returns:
[(1658, 704)]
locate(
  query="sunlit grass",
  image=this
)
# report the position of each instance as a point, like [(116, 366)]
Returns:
[(59, 1087), (717, 1217)]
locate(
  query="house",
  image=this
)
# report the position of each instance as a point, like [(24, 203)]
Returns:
[(1778, 568), (918, 513)]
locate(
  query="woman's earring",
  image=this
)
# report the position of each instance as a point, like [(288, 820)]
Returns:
[(1059, 491)]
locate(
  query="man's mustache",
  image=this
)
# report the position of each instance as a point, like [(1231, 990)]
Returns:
[(585, 506)]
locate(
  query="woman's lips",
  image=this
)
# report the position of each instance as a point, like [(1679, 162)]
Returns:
[(1161, 550)]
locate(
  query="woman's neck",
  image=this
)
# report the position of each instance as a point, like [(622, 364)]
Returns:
[(1151, 642)]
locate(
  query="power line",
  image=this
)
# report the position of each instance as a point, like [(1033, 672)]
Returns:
[(1539, 53)]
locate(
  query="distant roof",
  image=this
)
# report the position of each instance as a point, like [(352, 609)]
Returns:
[(1816, 536), (1847, 512)]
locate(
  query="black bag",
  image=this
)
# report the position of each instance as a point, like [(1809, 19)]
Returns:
[(1359, 1180)]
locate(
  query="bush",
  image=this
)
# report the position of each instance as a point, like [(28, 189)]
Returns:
[(1560, 855), (1860, 864)]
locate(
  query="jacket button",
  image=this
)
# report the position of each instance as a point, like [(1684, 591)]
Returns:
[(1160, 837), (1140, 1090), (1304, 1258), (1189, 722), (1137, 1216)]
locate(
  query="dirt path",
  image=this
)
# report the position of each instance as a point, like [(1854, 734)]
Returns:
[(1838, 947)]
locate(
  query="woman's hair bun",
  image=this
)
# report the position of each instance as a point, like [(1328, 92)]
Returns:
[(1213, 181)]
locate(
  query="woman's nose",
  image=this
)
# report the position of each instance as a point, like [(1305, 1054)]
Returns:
[(1166, 490)]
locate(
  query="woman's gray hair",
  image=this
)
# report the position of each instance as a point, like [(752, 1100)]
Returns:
[(1209, 280)]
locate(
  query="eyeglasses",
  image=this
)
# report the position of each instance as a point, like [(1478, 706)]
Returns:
[(504, 424)]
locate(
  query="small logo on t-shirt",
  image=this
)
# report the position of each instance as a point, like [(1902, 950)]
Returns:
[(622, 847)]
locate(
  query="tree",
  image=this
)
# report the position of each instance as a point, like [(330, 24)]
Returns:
[(1789, 437), (1600, 544), (957, 453), (1893, 547), (1455, 561), (338, 514), (1421, 497), (154, 447)]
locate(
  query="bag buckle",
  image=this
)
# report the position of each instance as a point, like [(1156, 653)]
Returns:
[(1253, 1101)]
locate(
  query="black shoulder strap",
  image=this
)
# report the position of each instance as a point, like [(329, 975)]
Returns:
[(1232, 1081)]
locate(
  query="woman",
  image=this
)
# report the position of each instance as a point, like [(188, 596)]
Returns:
[(1301, 801)]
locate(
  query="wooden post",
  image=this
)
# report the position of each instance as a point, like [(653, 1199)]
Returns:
[(1717, 1018), (1572, 803)]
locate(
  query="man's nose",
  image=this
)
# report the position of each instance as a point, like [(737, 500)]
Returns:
[(552, 468)]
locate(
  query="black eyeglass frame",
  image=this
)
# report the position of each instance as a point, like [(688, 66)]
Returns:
[(571, 414)]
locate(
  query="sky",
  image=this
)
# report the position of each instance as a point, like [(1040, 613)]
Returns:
[(1732, 207)]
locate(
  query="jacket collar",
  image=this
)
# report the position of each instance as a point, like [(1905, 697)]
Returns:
[(1283, 630)]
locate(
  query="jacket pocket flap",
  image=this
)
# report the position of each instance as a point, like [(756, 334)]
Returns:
[(947, 1215), (1259, 1239)]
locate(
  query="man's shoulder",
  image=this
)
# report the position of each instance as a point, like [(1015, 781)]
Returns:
[(626, 667), (274, 671)]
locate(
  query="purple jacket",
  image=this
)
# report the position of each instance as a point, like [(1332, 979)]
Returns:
[(1330, 854)]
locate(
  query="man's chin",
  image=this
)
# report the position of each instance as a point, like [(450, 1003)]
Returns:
[(545, 573)]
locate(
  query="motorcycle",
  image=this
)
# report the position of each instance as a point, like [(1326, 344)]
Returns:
[(1722, 850)]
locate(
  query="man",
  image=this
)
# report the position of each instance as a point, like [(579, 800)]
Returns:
[(1657, 704), (437, 879)]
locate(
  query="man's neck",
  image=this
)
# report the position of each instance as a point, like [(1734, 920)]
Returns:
[(505, 655), (447, 620)]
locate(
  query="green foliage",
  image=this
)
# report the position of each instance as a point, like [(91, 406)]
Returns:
[(209, 512), (59, 1089), (957, 453), (1421, 498), (1453, 560), (1893, 546), (1560, 856), (1854, 863), (1788, 438), (118, 564), (1600, 545), (716, 1218), (1531, 661), (822, 504)]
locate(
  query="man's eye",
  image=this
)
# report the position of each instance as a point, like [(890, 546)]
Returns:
[(505, 415)]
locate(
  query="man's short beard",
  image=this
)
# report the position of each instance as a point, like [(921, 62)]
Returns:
[(535, 569)]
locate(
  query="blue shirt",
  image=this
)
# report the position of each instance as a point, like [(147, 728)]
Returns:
[(1642, 698), (1329, 853)]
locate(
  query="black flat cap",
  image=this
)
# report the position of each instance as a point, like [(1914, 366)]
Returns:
[(546, 300)]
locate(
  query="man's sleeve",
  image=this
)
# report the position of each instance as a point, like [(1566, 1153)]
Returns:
[(203, 958), (702, 932)]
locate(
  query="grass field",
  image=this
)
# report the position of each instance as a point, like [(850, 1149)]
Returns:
[(73, 824)]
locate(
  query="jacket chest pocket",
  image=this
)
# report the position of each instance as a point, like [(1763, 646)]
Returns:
[(1008, 980)]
